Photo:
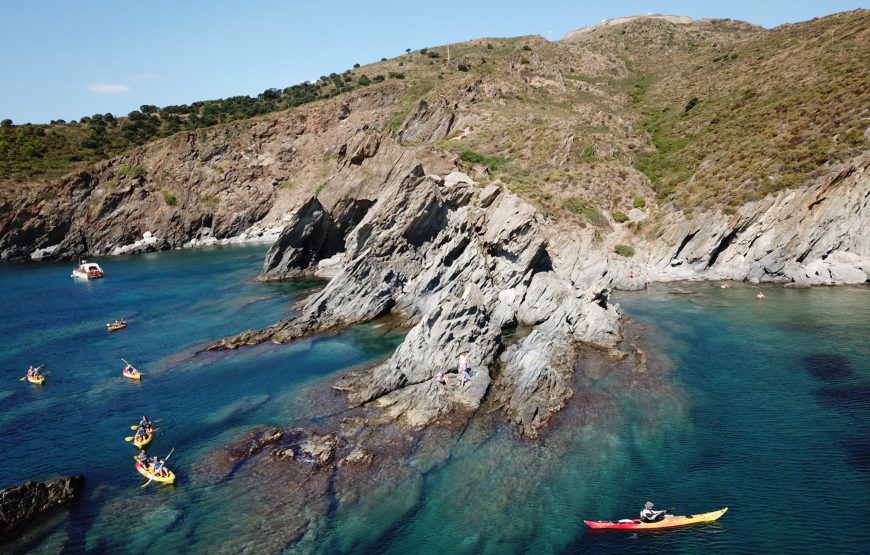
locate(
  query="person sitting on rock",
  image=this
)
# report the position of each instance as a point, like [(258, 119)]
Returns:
[(649, 515), (442, 377), (463, 363)]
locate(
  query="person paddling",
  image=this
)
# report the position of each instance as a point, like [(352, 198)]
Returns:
[(649, 515), (145, 423)]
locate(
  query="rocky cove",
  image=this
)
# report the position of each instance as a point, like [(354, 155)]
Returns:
[(403, 227)]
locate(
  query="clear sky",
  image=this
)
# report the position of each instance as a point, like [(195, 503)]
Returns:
[(67, 59)]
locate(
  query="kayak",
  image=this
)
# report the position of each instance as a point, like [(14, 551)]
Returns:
[(38, 380), (116, 327), (668, 522), (132, 375), (143, 442), (162, 479)]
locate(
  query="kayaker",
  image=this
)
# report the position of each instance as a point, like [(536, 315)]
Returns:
[(141, 433), (159, 470), (143, 457), (649, 515), (144, 423)]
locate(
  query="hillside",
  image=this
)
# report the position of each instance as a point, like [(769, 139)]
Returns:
[(641, 112)]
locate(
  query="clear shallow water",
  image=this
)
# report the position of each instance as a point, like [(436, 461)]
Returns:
[(76, 423), (764, 407)]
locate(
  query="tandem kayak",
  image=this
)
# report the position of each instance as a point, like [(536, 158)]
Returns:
[(135, 375), (168, 479), (38, 380), (668, 522), (145, 441), (116, 326)]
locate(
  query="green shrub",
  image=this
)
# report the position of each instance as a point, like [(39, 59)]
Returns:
[(619, 216), (492, 162), (170, 199), (527, 48), (377, 78), (462, 67), (624, 250), (524, 61), (577, 206), (639, 202)]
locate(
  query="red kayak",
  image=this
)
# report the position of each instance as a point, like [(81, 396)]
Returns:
[(668, 522)]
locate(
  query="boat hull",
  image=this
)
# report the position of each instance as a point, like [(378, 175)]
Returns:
[(668, 522), (38, 381), (162, 479)]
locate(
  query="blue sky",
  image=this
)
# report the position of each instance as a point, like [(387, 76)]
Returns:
[(67, 59)]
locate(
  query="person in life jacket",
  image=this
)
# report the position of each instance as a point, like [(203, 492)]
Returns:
[(649, 515)]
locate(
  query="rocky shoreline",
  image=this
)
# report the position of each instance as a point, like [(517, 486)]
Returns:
[(22, 504), (362, 457)]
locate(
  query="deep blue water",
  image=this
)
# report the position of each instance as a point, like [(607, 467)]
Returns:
[(763, 407)]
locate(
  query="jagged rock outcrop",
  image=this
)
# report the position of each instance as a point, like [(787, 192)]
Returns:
[(816, 235), (20, 504), (463, 263)]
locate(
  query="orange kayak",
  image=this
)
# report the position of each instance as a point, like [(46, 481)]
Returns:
[(668, 522)]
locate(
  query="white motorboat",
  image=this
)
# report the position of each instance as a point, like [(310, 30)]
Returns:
[(88, 270)]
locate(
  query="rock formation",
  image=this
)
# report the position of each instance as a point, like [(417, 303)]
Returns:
[(19, 505), (462, 263)]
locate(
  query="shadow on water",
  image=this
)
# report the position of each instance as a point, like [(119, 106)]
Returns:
[(828, 367)]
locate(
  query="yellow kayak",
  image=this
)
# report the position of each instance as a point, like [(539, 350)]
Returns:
[(168, 479), (668, 522), (38, 380), (144, 441), (132, 375)]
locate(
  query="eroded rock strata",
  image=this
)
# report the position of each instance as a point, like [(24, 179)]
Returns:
[(21, 504), (463, 263)]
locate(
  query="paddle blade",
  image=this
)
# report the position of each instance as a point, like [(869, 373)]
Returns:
[(128, 439)]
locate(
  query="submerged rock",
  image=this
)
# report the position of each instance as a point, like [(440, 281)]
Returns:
[(19, 505)]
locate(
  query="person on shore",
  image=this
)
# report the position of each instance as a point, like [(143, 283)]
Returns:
[(442, 378), (463, 362), (649, 515)]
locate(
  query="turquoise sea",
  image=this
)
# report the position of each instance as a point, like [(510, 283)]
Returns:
[(763, 407)]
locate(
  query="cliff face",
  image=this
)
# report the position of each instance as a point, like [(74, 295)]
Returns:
[(229, 183)]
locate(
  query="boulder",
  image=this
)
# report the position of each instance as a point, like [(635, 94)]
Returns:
[(21, 504)]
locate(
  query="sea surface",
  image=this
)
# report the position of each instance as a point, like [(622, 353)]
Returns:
[(759, 406)]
